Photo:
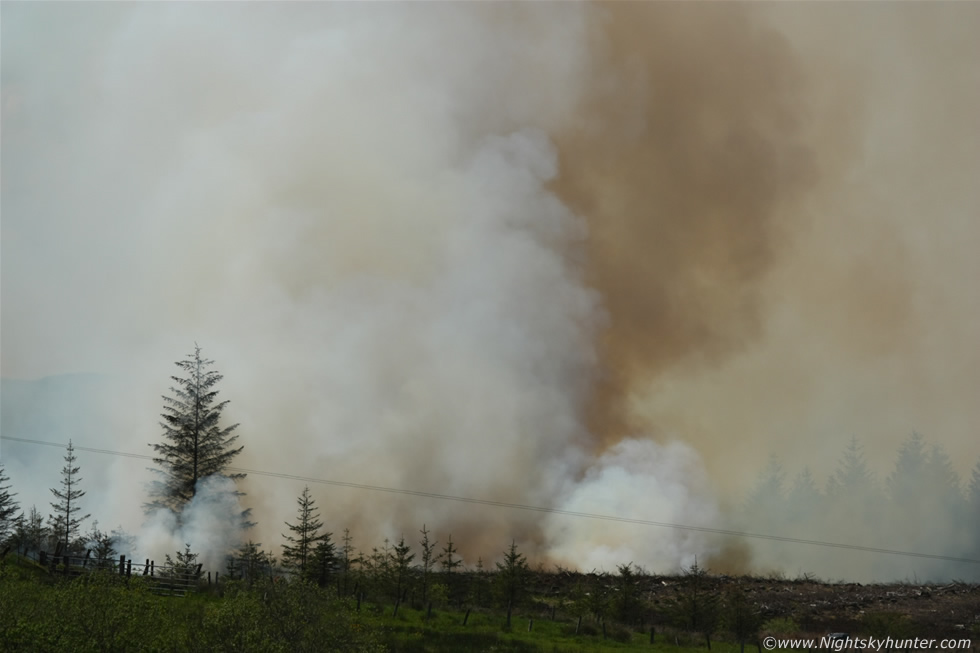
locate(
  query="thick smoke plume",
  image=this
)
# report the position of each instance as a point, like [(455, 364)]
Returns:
[(601, 258), (209, 524)]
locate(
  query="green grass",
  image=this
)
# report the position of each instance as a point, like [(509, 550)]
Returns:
[(409, 632), (105, 612)]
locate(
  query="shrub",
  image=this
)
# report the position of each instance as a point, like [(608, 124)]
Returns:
[(781, 626)]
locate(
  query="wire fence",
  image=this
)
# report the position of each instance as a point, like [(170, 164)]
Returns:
[(171, 579)]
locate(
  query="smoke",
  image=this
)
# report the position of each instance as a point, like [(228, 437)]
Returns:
[(644, 481), (210, 524), (687, 160), (601, 258)]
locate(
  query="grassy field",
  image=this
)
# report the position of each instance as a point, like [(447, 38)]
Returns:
[(105, 612), (411, 632), (100, 611)]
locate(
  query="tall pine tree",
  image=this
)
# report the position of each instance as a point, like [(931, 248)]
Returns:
[(66, 509), (195, 445)]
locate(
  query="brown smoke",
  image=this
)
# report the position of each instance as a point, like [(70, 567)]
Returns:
[(688, 159)]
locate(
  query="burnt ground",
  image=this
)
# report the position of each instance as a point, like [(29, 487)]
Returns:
[(899, 609)]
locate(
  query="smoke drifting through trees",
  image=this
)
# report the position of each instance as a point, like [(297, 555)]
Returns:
[(490, 250), (920, 498)]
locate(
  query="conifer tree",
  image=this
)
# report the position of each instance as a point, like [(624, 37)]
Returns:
[(741, 617), (323, 562), (627, 601), (942, 479), (298, 552), (905, 481), (479, 582), (30, 533), (450, 563), (348, 558), (195, 445), (66, 524), (8, 507), (804, 497), (512, 578), (429, 559), (973, 508), (401, 568), (250, 562), (852, 476), (102, 545), (973, 492), (853, 498), (697, 609), (184, 566)]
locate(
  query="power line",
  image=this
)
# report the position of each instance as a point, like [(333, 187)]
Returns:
[(542, 509)]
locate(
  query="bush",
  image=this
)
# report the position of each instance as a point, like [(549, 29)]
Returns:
[(619, 634), (886, 624), (781, 626)]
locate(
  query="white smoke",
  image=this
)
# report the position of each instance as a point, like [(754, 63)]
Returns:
[(210, 524), (347, 207), (637, 480)]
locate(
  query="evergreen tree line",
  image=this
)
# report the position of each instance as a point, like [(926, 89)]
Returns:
[(60, 533), (394, 573), (922, 506), (433, 575), (195, 446)]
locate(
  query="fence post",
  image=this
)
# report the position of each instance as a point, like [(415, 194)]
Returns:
[(129, 568), (122, 565), (146, 567)]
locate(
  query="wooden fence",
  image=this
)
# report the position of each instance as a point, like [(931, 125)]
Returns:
[(164, 579)]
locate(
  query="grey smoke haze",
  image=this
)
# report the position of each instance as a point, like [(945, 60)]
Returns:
[(602, 258)]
